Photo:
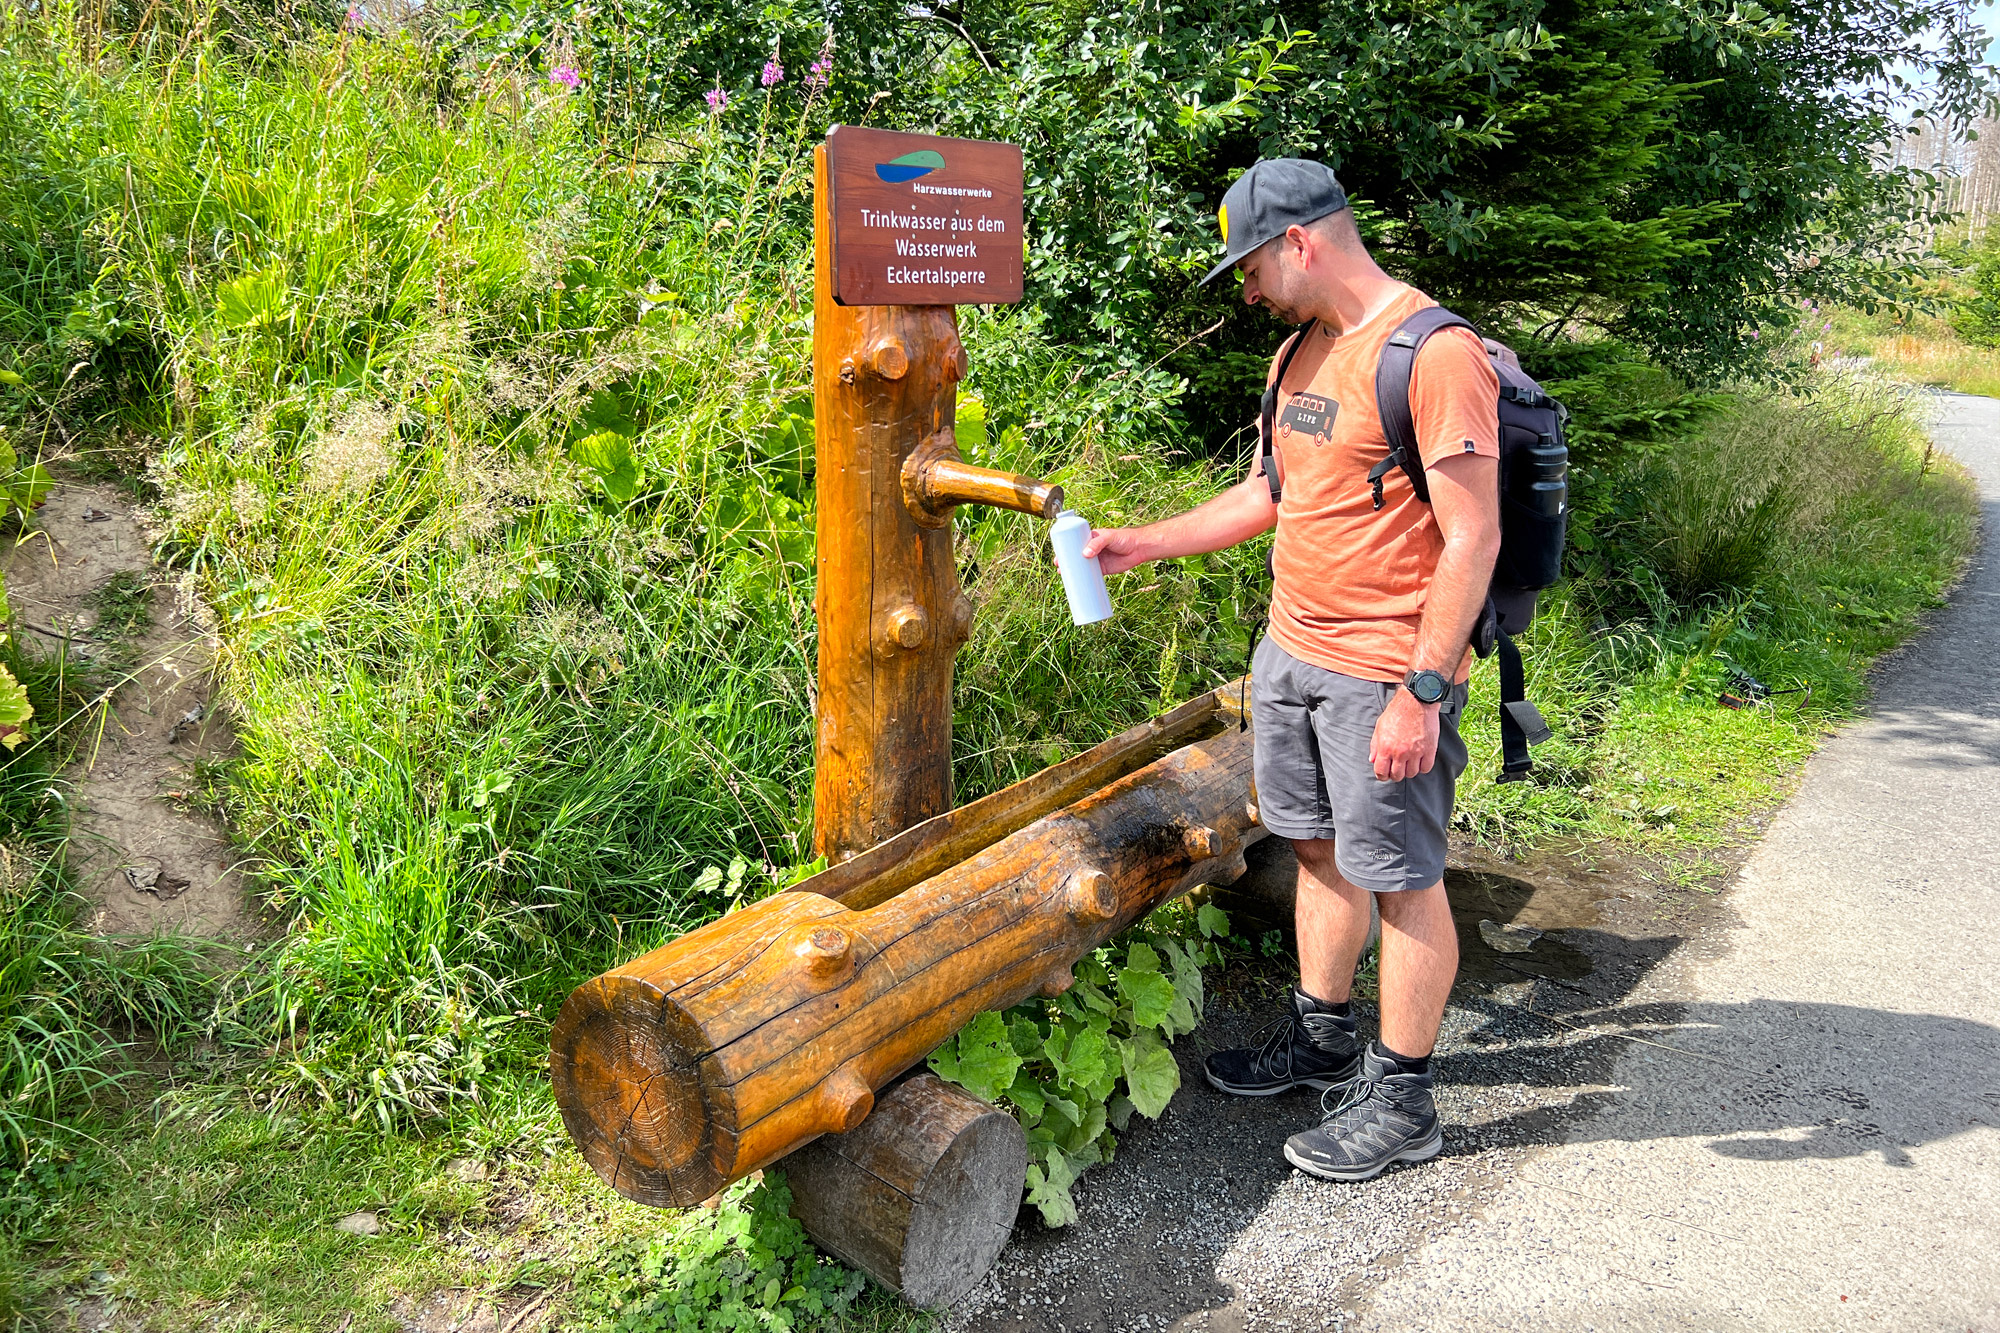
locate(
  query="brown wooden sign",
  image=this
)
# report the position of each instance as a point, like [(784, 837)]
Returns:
[(919, 220)]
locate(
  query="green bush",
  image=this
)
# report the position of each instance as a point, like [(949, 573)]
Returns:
[(1683, 173)]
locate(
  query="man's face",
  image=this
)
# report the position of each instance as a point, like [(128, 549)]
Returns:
[(1271, 278)]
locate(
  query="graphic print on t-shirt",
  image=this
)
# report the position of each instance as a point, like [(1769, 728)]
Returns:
[(1309, 414)]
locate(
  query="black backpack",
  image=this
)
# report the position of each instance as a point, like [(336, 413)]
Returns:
[(1534, 502)]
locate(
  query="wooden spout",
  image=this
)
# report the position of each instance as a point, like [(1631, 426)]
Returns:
[(935, 479)]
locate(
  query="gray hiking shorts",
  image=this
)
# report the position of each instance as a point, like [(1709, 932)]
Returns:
[(1314, 779)]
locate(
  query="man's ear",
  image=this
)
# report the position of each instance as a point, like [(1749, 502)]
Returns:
[(1303, 244)]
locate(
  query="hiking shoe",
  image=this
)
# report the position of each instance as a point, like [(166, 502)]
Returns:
[(1382, 1117), (1305, 1048)]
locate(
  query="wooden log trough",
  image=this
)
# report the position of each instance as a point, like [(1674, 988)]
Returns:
[(709, 1057)]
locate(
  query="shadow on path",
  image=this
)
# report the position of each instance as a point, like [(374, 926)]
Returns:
[(1201, 1224)]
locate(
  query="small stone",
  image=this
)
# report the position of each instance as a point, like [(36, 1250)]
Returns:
[(359, 1224), (1509, 938), (467, 1170)]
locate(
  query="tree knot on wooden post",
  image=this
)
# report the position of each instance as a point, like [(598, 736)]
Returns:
[(907, 629), (1201, 842), (846, 1099), (889, 359)]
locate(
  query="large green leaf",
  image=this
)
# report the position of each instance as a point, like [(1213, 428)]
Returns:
[(1080, 1140), (986, 1060), (15, 710), (1150, 995), (1026, 1094), (609, 455), (1026, 1036), (1048, 1188), (1151, 1075), (1080, 1058), (253, 301)]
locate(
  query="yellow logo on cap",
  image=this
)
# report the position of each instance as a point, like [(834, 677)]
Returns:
[(1222, 216)]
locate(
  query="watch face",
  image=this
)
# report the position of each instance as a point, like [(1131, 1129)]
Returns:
[(1428, 686)]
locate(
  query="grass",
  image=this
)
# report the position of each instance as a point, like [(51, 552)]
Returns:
[(483, 430), (260, 1191), (1875, 527), (1917, 348)]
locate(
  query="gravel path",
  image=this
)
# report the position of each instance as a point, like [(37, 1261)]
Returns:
[(1780, 1115)]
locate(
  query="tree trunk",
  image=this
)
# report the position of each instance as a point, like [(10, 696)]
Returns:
[(922, 1196), (720, 1052)]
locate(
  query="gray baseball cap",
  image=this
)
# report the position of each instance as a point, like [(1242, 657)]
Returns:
[(1275, 194)]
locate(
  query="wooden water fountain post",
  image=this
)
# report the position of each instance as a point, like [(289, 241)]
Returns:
[(892, 616)]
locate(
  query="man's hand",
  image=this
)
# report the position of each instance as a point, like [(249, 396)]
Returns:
[(1406, 738), (1116, 549)]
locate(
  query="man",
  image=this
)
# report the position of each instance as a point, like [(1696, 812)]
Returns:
[(1359, 683)]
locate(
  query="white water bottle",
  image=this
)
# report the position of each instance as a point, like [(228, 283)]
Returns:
[(1083, 578)]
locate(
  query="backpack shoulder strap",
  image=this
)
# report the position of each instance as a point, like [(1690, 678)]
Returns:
[(1392, 396), (1267, 422)]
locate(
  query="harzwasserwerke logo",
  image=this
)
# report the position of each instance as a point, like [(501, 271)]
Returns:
[(910, 166)]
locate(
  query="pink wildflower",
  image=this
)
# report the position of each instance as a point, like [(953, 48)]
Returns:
[(353, 20), (1753, 335), (821, 72), (774, 73), (566, 75), (717, 99)]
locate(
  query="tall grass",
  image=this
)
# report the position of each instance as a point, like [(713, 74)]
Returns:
[(1768, 554), (1917, 347), (484, 441)]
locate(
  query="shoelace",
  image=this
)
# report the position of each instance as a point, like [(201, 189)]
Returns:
[(1351, 1095), (1270, 1038)]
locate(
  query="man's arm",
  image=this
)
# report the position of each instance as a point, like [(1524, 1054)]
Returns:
[(1465, 498), (1235, 516)]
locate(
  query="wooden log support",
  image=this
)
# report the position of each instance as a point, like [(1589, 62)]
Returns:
[(922, 1196), (707, 1058), (891, 615)]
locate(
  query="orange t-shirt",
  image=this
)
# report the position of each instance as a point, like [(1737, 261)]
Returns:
[(1350, 578)]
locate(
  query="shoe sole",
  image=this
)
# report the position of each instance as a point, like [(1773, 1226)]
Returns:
[(1316, 1084), (1416, 1152)]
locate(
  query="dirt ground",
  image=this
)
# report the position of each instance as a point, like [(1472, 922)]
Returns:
[(148, 862)]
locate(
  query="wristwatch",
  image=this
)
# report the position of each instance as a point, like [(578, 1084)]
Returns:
[(1428, 686)]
